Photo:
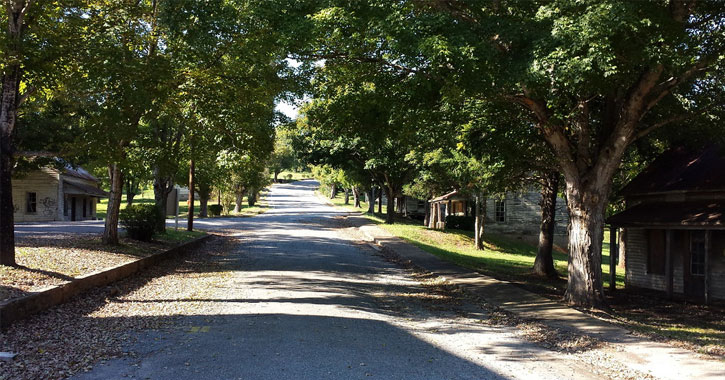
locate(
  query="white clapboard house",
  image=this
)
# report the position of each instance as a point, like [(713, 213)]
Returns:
[(50, 194)]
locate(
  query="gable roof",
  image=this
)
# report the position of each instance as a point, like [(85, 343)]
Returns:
[(681, 170), (79, 172)]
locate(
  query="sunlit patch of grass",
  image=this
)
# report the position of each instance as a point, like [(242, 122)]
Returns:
[(293, 176)]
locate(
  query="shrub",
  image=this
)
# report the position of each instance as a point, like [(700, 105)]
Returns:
[(289, 176), (215, 210), (140, 221), (466, 223)]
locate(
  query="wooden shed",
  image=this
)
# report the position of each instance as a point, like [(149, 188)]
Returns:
[(673, 229)]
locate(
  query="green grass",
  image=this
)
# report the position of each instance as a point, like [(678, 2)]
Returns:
[(503, 257), (295, 176), (147, 196), (178, 236)]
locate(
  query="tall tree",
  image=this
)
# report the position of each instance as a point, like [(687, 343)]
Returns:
[(594, 77), (34, 52)]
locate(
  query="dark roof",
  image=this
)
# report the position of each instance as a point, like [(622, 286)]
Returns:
[(79, 172), (681, 170), (78, 188), (684, 214)]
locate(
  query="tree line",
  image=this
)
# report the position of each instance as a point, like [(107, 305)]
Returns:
[(171, 92), (427, 96), (421, 96)]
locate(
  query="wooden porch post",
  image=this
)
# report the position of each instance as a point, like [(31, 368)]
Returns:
[(669, 282), (707, 267), (613, 254)]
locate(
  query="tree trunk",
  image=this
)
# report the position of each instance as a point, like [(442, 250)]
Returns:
[(390, 216), (252, 197), (190, 216), (110, 230), (204, 198), (162, 188), (356, 196), (7, 209), (276, 174), (544, 263), (371, 201), (9, 103), (586, 232), (480, 221), (130, 192), (347, 196), (238, 198), (333, 191), (426, 218), (203, 206), (380, 201)]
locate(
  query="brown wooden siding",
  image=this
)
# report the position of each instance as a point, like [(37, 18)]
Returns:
[(636, 262)]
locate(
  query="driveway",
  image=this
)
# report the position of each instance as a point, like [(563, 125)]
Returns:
[(298, 298)]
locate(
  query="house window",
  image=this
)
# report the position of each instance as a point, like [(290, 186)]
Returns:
[(656, 251), (697, 253), (499, 206), (31, 205)]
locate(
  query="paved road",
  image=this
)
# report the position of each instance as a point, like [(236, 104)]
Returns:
[(303, 300)]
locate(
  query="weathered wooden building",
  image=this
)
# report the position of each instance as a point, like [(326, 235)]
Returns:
[(50, 194), (517, 214), (520, 214), (673, 229)]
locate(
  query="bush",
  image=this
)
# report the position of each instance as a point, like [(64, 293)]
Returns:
[(215, 210), (466, 223), (140, 221)]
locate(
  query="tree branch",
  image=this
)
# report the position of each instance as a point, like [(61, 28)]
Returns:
[(24, 97), (673, 119), (665, 88)]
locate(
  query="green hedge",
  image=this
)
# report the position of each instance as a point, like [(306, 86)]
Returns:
[(140, 221), (466, 223), (215, 210)]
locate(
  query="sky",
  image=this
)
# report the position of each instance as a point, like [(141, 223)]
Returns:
[(288, 109)]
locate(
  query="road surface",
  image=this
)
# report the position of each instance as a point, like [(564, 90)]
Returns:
[(301, 299)]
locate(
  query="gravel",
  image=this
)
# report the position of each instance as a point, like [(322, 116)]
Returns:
[(93, 327), (46, 260)]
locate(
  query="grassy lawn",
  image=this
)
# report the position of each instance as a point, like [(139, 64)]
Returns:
[(147, 196), (293, 176), (503, 257), (179, 236), (697, 327)]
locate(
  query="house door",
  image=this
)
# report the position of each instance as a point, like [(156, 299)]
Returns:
[(73, 209), (694, 266)]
